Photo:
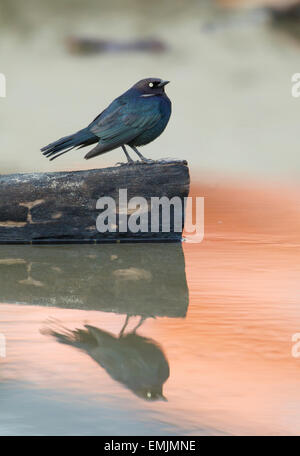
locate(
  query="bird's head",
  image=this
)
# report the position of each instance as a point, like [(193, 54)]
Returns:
[(151, 86)]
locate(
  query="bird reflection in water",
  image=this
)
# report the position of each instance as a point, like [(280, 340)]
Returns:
[(135, 361)]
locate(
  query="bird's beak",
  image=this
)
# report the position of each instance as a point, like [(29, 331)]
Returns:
[(163, 83)]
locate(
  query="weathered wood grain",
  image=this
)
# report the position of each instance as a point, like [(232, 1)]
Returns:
[(61, 207)]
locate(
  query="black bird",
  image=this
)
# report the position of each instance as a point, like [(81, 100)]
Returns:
[(135, 118), (137, 362)]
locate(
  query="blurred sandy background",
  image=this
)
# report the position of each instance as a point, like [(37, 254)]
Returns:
[(233, 113)]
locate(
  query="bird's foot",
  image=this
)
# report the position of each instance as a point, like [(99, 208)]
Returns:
[(137, 162), (149, 161), (129, 163)]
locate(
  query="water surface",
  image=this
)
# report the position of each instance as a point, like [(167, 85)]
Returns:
[(158, 339)]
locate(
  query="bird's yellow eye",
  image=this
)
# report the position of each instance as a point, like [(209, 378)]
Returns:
[(151, 84), (148, 393)]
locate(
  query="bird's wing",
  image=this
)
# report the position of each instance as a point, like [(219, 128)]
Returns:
[(122, 121)]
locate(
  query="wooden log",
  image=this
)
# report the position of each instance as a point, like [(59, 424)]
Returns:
[(60, 207), (124, 279)]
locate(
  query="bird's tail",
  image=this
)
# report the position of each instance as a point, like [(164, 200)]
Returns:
[(79, 338), (80, 139)]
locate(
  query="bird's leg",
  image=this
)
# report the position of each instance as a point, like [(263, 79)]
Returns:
[(138, 325), (129, 159), (124, 326), (144, 159)]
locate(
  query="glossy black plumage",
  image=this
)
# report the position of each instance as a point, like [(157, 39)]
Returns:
[(135, 118)]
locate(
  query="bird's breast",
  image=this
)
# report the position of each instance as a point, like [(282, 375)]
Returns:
[(163, 106)]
